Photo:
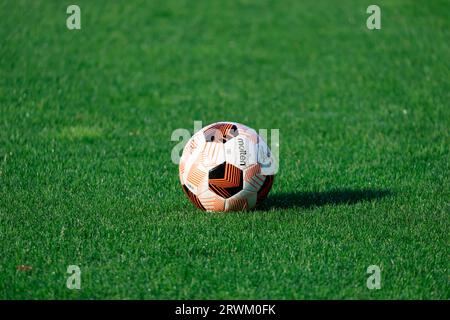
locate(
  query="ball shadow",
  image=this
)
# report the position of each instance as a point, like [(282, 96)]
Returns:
[(306, 200)]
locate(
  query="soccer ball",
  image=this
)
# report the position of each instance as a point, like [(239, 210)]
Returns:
[(226, 166)]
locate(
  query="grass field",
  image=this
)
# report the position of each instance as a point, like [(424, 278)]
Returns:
[(86, 176)]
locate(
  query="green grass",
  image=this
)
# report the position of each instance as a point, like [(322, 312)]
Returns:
[(85, 171)]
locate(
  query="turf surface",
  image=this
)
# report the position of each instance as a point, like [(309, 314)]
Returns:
[(86, 177)]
